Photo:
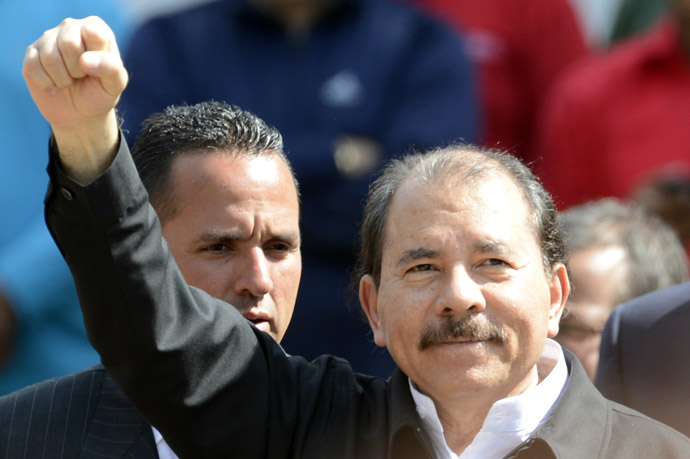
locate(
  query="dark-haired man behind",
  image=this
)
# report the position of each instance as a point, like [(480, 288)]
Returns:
[(228, 205)]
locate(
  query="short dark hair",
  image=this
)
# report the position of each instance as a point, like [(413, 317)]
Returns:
[(462, 162), (192, 129), (654, 254)]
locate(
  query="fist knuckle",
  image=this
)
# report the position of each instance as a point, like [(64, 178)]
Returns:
[(68, 22), (70, 46), (51, 60)]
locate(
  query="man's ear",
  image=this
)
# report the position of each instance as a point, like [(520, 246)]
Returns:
[(559, 286), (368, 298)]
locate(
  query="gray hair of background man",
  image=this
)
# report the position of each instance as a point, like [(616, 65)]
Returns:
[(206, 127), (467, 164), (654, 253)]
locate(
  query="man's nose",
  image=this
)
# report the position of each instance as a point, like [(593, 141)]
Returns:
[(459, 293), (255, 275)]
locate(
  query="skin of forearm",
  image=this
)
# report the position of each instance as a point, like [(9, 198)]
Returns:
[(87, 152)]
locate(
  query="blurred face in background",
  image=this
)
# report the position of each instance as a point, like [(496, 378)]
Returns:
[(597, 276)]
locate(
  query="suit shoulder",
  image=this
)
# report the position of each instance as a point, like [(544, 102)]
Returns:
[(52, 415), (656, 304), (49, 390)]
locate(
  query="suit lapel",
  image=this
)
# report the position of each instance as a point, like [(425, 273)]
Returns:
[(118, 430)]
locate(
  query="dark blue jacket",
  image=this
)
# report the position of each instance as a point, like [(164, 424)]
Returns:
[(643, 362), (83, 415)]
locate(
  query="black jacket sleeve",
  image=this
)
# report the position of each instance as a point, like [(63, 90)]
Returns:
[(213, 384)]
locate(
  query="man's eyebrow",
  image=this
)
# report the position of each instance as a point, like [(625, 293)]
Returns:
[(216, 235), (416, 254), (222, 235), (292, 237), (493, 247)]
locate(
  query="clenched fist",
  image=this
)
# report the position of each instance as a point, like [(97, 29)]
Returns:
[(75, 75)]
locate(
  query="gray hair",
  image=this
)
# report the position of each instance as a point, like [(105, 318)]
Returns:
[(464, 163), (654, 254)]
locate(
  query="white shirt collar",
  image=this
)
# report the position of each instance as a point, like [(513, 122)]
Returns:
[(511, 420), (164, 450)]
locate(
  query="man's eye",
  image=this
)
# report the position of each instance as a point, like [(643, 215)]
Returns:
[(282, 247), (422, 268), (278, 250), (217, 248), (495, 262), (278, 247), (577, 332)]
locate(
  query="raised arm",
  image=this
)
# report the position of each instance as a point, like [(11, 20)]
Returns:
[(177, 353), (75, 76), (213, 384)]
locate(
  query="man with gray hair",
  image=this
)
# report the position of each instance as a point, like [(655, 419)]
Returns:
[(617, 252), (463, 280)]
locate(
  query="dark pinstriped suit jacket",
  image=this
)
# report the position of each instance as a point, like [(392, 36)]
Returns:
[(82, 415)]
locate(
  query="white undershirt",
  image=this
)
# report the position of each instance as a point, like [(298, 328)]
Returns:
[(164, 451), (510, 421)]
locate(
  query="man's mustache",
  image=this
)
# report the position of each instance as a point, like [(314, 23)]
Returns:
[(470, 328)]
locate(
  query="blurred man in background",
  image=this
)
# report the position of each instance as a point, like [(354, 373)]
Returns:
[(618, 252)]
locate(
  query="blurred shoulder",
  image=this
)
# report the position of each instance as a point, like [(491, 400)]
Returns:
[(656, 305)]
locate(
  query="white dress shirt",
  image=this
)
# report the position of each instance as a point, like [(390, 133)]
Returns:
[(511, 420), (164, 451)]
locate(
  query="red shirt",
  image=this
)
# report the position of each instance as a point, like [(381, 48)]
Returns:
[(520, 47), (616, 119)]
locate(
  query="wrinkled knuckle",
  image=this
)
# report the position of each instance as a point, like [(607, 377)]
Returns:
[(70, 46), (51, 59)]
